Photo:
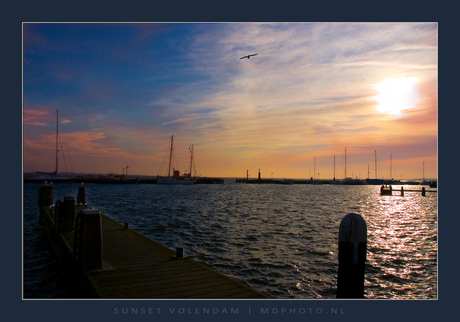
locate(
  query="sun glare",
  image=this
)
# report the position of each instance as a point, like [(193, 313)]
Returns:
[(396, 95)]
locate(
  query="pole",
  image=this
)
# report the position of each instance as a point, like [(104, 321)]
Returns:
[(334, 167), (391, 166), (352, 256), (88, 240), (81, 196), (191, 160), (170, 156), (45, 199), (66, 215), (375, 162), (423, 180), (57, 139)]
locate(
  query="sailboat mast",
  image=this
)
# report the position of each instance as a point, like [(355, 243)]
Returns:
[(57, 139), (334, 167), (391, 166), (170, 156), (191, 160), (423, 179), (375, 162), (345, 162)]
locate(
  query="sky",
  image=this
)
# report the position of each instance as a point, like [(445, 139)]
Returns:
[(313, 91)]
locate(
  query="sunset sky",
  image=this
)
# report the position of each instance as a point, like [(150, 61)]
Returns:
[(313, 90)]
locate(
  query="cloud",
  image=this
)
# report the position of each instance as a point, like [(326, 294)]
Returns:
[(35, 117)]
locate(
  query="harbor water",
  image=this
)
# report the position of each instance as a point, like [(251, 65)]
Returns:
[(279, 239)]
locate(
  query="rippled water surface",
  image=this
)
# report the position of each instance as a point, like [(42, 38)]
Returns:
[(279, 239)]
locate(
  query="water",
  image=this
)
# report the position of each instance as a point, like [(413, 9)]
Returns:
[(279, 239)]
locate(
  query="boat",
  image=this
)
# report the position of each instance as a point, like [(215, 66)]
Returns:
[(375, 181), (348, 180), (176, 178), (48, 179), (117, 179), (287, 181), (51, 177), (351, 181), (431, 183)]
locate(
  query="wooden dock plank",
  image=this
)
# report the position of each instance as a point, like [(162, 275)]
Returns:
[(134, 266), (146, 269)]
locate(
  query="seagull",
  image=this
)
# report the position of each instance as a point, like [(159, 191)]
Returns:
[(247, 56)]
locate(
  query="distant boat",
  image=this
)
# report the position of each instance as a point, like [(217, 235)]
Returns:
[(51, 176), (117, 179), (432, 184), (47, 178), (374, 181), (351, 181), (176, 178), (348, 180), (285, 181)]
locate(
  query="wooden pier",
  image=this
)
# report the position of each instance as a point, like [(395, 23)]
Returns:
[(107, 259), (387, 190)]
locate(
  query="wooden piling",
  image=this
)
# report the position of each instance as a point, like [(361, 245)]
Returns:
[(81, 197), (45, 198), (386, 190), (352, 256), (65, 215), (88, 240)]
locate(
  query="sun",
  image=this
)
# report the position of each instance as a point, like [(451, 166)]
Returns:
[(396, 95)]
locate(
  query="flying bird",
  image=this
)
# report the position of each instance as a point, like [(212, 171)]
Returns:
[(247, 56)]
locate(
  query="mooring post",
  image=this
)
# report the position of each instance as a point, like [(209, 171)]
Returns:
[(352, 256), (45, 198), (179, 252), (88, 239), (81, 197), (423, 192), (66, 215)]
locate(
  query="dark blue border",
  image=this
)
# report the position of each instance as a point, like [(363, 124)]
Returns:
[(401, 310)]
